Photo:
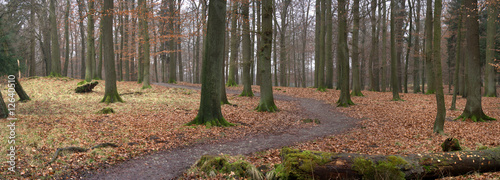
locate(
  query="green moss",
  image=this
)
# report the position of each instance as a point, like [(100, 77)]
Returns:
[(105, 111), (147, 87), (311, 120), (233, 167), (353, 93), (390, 168), (321, 89), (299, 164), (81, 83)]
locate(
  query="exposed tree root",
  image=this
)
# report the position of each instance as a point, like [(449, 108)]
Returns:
[(221, 122), (78, 149), (344, 104), (353, 93), (475, 118), (247, 94), (264, 107)]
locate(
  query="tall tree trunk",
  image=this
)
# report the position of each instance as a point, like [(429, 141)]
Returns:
[(83, 61), (90, 61), (145, 38), (99, 56), (394, 75), (473, 108), (209, 113), (283, 51), (384, 46), (317, 50), (328, 45), (247, 62), (259, 44), (356, 84), (172, 58), (343, 56), (55, 69), (458, 52), (490, 86), (126, 43), (305, 17), (428, 49), (235, 42), (110, 91), (321, 46), (374, 85), (179, 41), (266, 102), (416, 51), (122, 41), (408, 50), (441, 110), (32, 58), (66, 37)]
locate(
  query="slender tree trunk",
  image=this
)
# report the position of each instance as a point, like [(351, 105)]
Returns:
[(258, 79), (321, 46), (4, 112), (110, 91), (235, 42), (384, 46), (328, 45), (266, 102), (209, 113), (83, 61), (283, 51), (99, 56), (428, 49), (55, 69), (343, 56), (473, 108), (374, 86), (305, 18), (90, 61), (23, 96), (126, 43), (410, 21), (490, 87), (394, 75), (145, 38), (32, 58), (356, 84), (416, 51), (66, 37), (317, 50), (247, 62), (172, 59), (441, 110), (457, 61)]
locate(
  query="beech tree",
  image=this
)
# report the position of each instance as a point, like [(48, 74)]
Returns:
[(473, 108), (247, 62), (356, 84), (394, 77), (55, 69), (209, 113), (343, 56), (110, 91), (145, 38), (90, 61), (266, 102), (441, 110), (490, 87)]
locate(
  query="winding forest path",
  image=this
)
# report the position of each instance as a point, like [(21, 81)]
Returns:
[(172, 163)]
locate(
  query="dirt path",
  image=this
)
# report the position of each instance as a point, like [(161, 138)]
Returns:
[(171, 164)]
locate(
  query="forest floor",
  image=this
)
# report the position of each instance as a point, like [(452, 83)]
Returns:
[(151, 123)]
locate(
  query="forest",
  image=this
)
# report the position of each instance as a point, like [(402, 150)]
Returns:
[(250, 89)]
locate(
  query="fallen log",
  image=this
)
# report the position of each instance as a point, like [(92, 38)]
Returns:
[(86, 87), (298, 164)]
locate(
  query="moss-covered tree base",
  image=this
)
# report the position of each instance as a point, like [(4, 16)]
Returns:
[(321, 89), (430, 92), (146, 87), (359, 94), (55, 74), (397, 99), (231, 83), (112, 98), (266, 107), (209, 122), (172, 81), (246, 94), (475, 118), (344, 103), (490, 95)]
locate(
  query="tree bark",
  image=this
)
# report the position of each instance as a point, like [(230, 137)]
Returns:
[(247, 62), (343, 56), (4, 112), (416, 51), (490, 86), (328, 45), (55, 69), (210, 113), (82, 37), (172, 58), (32, 59), (428, 50), (90, 61), (473, 108), (384, 46), (441, 110), (394, 75), (235, 42), (266, 102), (66, 37), (374, 85), (145, 38), (322, 165), (356, 84), (458, 50), (283, 51), (23, 96), (110, 91)]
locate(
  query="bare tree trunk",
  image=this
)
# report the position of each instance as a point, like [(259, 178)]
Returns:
[(110, 92), (356, 84), (82, 36), (55, 69), (490, 86), (247, 62)]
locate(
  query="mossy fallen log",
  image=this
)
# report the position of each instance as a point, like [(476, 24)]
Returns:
[(86, 87), (298, 164)]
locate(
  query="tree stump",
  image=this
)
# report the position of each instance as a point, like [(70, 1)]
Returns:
[(86, 87)]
